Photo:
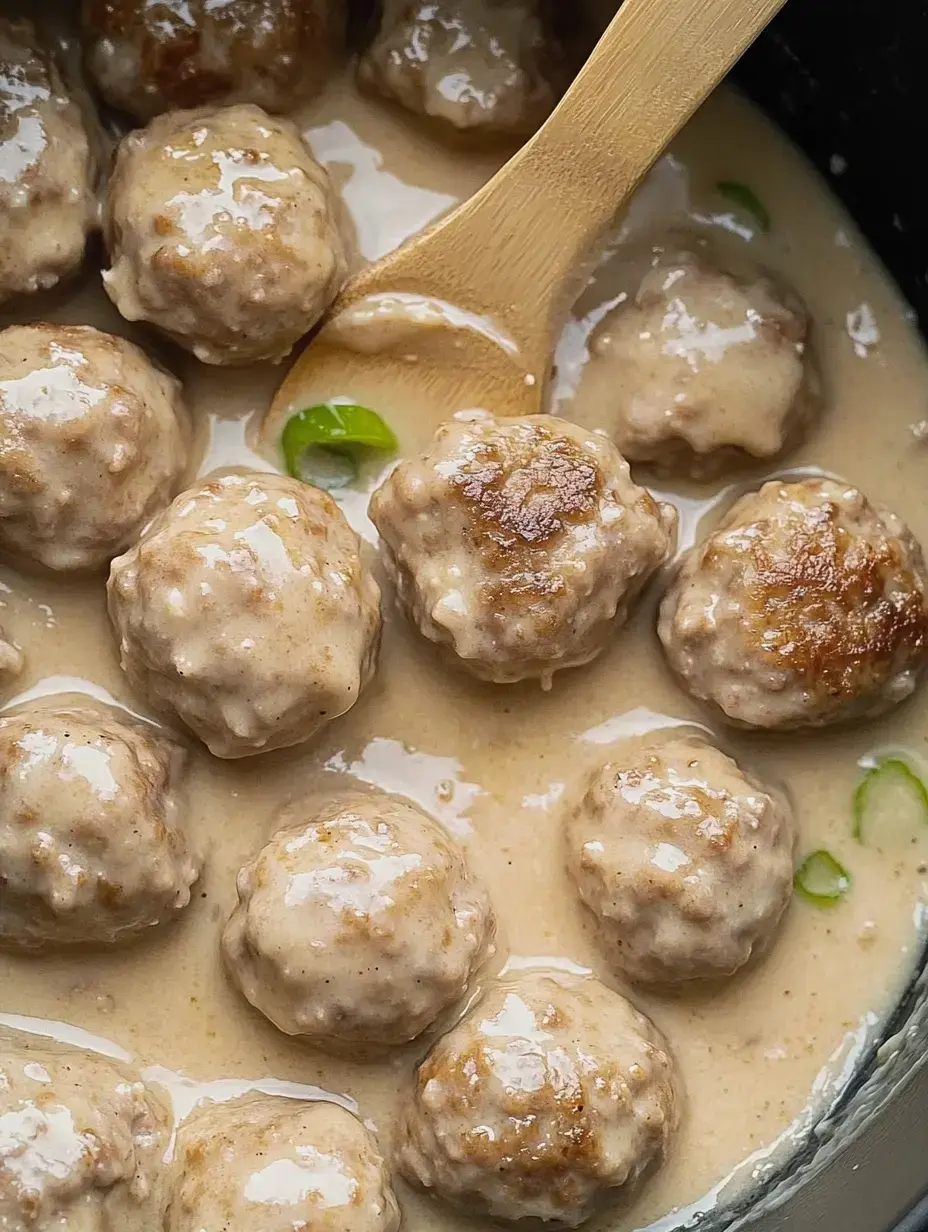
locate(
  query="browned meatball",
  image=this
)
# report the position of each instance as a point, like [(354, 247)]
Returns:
[(551, 1095), (808, 605), (519, 544), (149, 56), (47, 199), (685, 862), (482, 66), (223, 232)]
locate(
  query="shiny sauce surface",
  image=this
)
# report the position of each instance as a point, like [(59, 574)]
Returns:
[(759, 1058)]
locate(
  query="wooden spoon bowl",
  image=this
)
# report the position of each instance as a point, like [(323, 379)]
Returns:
[(466, 314)]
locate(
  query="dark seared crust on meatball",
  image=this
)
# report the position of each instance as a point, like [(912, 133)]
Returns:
[(519, 543), (520, 494), (154, 57), (808, 605)]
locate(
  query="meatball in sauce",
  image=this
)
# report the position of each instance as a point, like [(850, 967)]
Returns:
[(147, 58), (260, 1164), (685, 862), (552, 1094), (48, 203), (808, 605), (487, 67), (519, 545), (358, 924), (223, 232), (93, 848), (702, 370), (82, 1140), (246, 612), (93, 442)]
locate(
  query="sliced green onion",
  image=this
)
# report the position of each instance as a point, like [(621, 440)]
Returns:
[(821, 880), (890, 800), (323, 444), (746, 199)]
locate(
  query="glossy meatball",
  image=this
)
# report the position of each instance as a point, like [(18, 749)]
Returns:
[(702, 369), (482, 66), (93, 441), (246, 611), (519, 544), (47, 199), (260, 1164), (222, 231), (81, 1142), (551, 1094), (808, 605), (685, 861), (148, 57), (92, 846), (359, 923)]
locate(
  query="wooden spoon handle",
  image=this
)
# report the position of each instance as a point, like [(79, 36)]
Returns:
[(656, 62)]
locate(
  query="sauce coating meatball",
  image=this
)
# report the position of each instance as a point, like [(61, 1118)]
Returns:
[(222, 231), (550, 1095), (148, 57), (93, 441), (81, 1142), (808, 605), (260, 1164), (685, 861), (484, 66), (359, 923), (92, 848), (702, 368), (519, 544), (47, 199), (245, 611)]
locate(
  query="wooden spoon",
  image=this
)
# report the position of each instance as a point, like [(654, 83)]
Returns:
[(466, 314)]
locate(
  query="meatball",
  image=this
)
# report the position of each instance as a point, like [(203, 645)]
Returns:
[(703, 368), (47, 173), (261, 1164), (91, 844), (519, 544), (685, 861), (808, 605), (81, 1142), (147, 57), (550, 1095), (245, 611), (223, 232), (93, 441), (482, 66), (359, 923)]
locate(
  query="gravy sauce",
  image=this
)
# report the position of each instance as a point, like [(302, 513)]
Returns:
[(764, 1055)]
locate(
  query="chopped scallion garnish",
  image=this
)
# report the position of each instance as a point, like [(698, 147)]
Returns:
[(890, 801), (746, 199), (323, 444), (821, 880)]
